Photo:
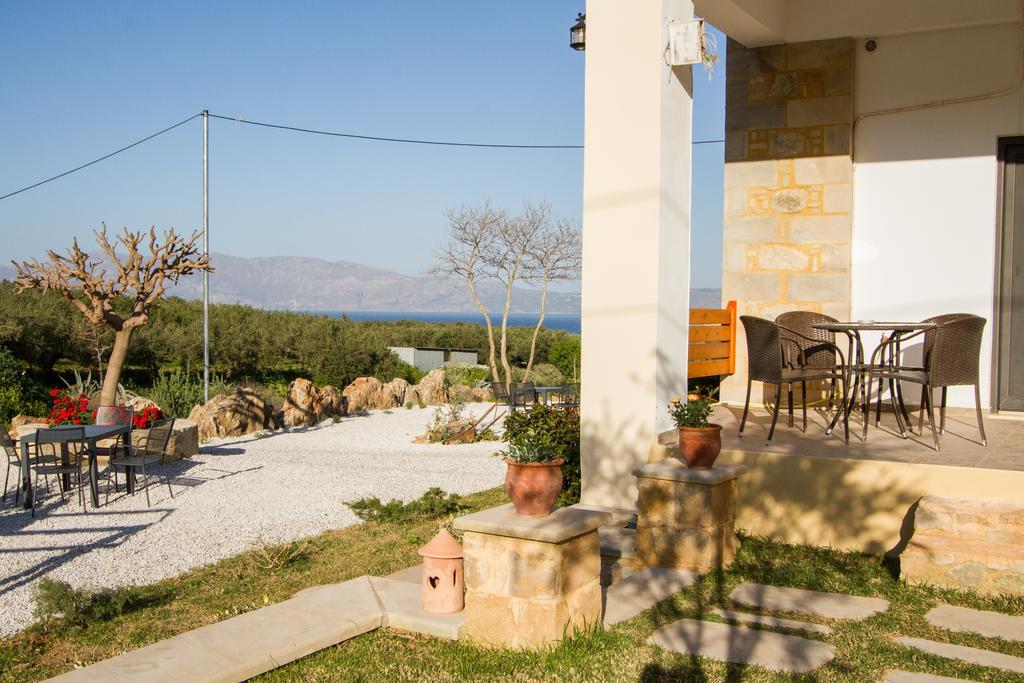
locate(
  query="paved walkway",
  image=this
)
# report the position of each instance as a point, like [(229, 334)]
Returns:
[(988, 624), (255, 642), (828, 605), (972, 655)]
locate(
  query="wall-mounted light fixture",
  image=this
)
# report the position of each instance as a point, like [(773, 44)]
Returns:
[(578, 33)]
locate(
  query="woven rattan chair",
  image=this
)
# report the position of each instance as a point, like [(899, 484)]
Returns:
[(150, 452), (13, 459), (813, 348), (766, 362), (952, 357)]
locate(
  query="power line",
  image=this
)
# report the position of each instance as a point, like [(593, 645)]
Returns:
[(411, 141), (385, 139), (102, 158), (297, 129)]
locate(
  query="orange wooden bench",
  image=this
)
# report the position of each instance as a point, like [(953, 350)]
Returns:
[(712, 349)]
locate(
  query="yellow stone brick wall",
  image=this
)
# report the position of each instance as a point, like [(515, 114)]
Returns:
[(788, 183)]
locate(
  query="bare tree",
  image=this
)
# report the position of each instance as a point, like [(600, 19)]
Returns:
[(141, 279), (471, 234), (486, 244), (555, 256)]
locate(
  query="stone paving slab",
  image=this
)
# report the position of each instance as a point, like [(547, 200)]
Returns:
[(403, 610), (742, 645), (620, 516), (917, 677), (734, 617), (640, 591), (412, 574), (828, 605), (247, 645), (971, 655), (617, 542), (988, 624)]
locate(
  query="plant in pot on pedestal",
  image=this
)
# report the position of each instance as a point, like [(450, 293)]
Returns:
[(533, 480), (699, 440)]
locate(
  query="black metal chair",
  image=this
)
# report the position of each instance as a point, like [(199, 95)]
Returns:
[(766, 362), (13, 458), (808, 348), (522, 395), (50, 458), (501, 395), (952, 357), (116, 415), (569, 397), (151, 451)]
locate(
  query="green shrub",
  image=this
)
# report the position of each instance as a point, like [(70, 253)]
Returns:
[(555, 431), (690, 413), (176, 392), (79, 607), (470, 375), (433, 504), (565, 355), (544, 374), (19, 393)]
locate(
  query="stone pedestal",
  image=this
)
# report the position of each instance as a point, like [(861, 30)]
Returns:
[(531, 581), (686, 518)]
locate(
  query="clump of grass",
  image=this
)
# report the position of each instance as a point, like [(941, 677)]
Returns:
[(271, 558), (79, 607), (433, 504)]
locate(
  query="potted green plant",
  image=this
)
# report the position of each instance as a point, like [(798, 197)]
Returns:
[(700, 441), (533, 480)]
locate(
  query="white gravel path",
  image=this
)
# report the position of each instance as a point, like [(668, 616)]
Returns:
[(281, 487)]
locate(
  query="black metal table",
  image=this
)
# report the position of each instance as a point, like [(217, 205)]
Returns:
[(860, 370), (93, 433)]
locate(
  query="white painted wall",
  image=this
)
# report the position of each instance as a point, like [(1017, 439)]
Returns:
[(925, 192), (636, 240)]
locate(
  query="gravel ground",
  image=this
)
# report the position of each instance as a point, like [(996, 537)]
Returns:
[(281, 487)]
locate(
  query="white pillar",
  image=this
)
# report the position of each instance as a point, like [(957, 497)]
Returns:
[(636, 239)]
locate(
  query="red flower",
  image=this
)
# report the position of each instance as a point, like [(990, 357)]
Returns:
[(54, 393)]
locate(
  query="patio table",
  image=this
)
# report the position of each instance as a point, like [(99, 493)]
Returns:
[(860, 370), (93, 433), (545, 392)]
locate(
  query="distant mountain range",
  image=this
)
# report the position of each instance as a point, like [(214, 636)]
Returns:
[(298, 283)]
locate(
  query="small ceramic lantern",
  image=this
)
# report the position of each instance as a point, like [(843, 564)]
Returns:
[(442, 575)]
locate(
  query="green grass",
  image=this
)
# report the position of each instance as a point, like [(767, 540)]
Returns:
[(865, 649)]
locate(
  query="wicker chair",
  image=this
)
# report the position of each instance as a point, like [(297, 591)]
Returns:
[(813, 348), (952, 353), (766, 362)]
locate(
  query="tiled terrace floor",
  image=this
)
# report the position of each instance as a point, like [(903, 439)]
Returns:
[(960, 445)]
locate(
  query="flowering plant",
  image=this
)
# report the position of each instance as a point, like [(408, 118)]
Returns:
[(147, 418), (69, 410)]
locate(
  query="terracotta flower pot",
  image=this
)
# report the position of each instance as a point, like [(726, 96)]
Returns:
[(534, 486), (700, 446)]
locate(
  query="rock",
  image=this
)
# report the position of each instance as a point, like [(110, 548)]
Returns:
[(21, 420), (242, 412), (483, 394), (364, 392), (300, 404), (330, 403), (184, 441), (394, 393), (306, 405), (140, 403), (431, 390), (461, 391)]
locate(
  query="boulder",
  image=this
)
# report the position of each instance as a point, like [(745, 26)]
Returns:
[(242, 412), (300, 404), (364, 392), (140, 403), (431, 390), (306, 405), (394, 393), (483, 394), (19, 421), (330, 403)]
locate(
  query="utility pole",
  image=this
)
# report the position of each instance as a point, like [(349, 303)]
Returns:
[(206, 251)]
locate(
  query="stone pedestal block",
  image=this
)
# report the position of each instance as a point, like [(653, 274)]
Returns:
[(531, 581), (686, 518)]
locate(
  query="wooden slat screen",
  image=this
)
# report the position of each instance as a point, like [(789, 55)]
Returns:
[(712, 349)]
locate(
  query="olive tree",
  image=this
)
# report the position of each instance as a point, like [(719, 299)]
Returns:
[(142, 271)]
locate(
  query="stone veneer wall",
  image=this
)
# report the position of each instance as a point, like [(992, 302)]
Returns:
[(788, 182)]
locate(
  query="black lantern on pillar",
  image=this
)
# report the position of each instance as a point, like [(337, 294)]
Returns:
[(578, 33)]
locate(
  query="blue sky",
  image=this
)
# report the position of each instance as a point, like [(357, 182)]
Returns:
[(82, 79)]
